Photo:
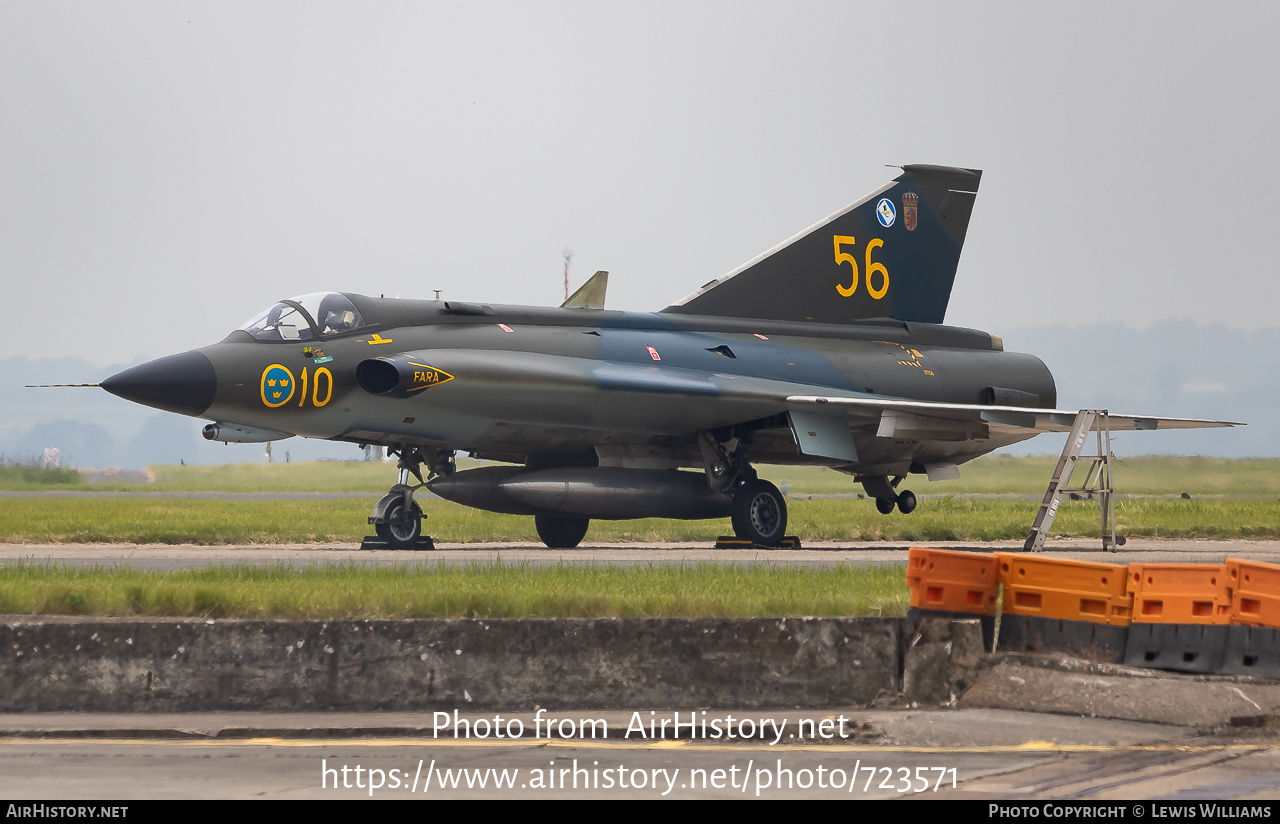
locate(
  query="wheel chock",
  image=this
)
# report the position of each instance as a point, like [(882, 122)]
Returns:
[(734, 542), (424, 543)]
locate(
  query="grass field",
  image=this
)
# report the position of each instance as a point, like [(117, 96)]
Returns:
[(1147, 474), (15, 475), (216, 521), (1229, 499), (479, 591)]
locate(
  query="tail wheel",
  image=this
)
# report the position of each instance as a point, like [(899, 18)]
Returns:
[(759, 513), (906, 501), (401, 532), (559, 532)]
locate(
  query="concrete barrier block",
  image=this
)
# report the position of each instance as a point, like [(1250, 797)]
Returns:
[(168, 666), (942, 661)]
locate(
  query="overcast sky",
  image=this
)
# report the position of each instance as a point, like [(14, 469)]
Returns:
[(169, 169)]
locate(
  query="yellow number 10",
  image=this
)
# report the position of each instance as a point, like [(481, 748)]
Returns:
[(321, 372), (845, 257)]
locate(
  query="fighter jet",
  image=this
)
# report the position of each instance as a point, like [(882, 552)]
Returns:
[(828, 349)]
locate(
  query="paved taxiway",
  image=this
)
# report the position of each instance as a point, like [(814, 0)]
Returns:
[(966, 753), (161, 557)]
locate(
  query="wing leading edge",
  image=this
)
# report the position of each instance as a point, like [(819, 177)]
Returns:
[(1020, 417)]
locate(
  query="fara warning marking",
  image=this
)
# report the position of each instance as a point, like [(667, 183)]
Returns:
[(425, 377)]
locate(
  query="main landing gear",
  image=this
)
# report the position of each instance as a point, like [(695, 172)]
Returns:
[(887, 499), (758, 511), (397, 518)]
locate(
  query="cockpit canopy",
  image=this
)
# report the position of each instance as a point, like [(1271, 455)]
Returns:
[(307, 317)]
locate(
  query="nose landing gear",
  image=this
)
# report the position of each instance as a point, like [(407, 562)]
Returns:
[(397, 518)]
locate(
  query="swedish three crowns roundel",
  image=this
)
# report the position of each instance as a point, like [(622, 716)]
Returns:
[(277, 385)]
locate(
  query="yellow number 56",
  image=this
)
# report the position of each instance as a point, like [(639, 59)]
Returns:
[(872, 268)]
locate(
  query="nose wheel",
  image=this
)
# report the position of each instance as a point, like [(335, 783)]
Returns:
[(403, 527)]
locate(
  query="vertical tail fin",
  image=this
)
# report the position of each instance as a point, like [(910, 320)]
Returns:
[(892, 254), (590, 295)]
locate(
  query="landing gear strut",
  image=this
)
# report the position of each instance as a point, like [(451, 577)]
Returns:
[(397, 518), (725, 462)]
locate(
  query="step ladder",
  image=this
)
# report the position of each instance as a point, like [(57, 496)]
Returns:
[(1097, 480)]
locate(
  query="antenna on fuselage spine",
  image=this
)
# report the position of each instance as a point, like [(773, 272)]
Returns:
[(568, 256)]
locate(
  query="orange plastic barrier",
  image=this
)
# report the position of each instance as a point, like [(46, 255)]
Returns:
[(1255, 593), (952, 581), (1068, 590), (1180, 593)]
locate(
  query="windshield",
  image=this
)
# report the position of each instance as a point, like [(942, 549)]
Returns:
[(280, 322), (299, 319)]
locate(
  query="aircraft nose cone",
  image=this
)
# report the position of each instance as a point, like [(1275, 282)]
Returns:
[(183, 383)]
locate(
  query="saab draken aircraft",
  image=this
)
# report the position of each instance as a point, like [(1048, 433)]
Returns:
[(828, 349)]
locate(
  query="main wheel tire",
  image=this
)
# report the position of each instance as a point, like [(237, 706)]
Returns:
[(906, 501), (559, 532), (759, 513), (885, 505), (398, 533)]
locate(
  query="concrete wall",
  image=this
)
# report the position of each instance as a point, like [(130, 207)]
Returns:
[(165, 666)]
